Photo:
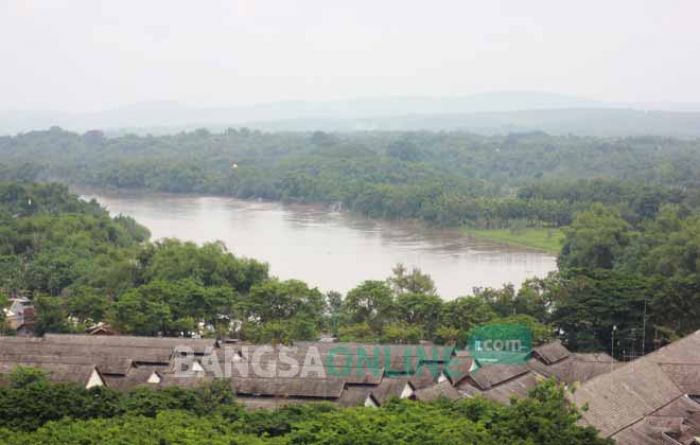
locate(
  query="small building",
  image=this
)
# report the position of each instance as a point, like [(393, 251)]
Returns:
[(20, 311)]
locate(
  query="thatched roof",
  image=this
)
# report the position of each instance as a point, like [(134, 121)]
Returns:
[(355, 395), (638, 389), (170, 379), (135, 377), (57, 372), (679, 421), (518, 387), (294, 387), (391, 387), (458, 368), (626, 395), (106, 365), (426, 375), (425, 352), (686, 377), (438, 391), (95, 352), (577, 368), (551, 352), (198, 346), (275, 363), (492, 375)]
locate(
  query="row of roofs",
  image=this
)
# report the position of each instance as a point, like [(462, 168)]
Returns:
[(348, 374)]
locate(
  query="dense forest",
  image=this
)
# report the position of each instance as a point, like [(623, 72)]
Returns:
[(447, 178), (33, 411)]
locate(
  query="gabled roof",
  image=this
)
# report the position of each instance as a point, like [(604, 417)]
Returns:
[(135, 377), (391, 387), (492, 375), (625, 396), (438, 391), (551, 352), (575, 368), (355, 395), (458, 368), (518, 387), (426, 375)]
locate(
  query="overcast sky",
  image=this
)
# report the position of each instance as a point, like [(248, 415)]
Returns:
[(80, 55)]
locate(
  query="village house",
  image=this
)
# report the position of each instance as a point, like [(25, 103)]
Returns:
[(20, 315)]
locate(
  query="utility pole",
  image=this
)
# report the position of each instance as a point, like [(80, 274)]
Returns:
[(644, 327), (612, 352)]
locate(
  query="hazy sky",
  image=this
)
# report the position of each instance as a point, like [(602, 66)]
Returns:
[(79, 55)]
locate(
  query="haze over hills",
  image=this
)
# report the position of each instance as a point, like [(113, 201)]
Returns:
[(494, 112)]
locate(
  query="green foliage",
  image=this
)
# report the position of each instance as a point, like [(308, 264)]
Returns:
[(371, 302), (356, 332), (39, 412), (210, 264), (596, 239), (415, 282), (22, 376), (627, 275), (401, 332), (51, 315)]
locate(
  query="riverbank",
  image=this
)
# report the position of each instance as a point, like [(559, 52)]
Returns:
[(546, 239)]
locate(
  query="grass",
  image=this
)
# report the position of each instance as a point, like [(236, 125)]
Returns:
[(546, 239)]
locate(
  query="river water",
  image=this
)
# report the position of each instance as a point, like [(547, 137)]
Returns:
[(331, 250)]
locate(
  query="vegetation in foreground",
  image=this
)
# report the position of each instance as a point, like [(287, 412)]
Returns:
[(33, 411)]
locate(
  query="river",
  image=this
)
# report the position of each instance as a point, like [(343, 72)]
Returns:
[(331, 250)]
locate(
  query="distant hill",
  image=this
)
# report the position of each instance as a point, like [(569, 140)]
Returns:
[(580, 121), (496, 112)]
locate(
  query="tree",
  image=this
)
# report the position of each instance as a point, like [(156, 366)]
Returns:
[(210, 264), (464, 313), (371, 302), (275, 300), (357, 332), (401, 332), (596, 239), (140, 312), (420, 310), (51, 315), (86, 304), (415, 282), (590, 303)]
